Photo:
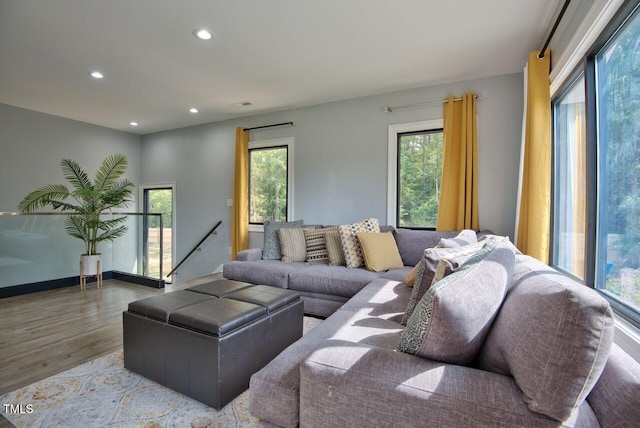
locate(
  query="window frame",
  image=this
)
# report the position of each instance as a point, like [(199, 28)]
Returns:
[(394, 132), (287, 142), (587, 68)]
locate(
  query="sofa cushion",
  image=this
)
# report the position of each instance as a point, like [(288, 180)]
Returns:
[(336, 280), (274, 392), (412, 243), (427, 270), (271, 247), (455, 315), (379, 251), (614, 398), (383, 298), (350, 245), (552, 336), (465, 237), (267, 272), (292, 245)]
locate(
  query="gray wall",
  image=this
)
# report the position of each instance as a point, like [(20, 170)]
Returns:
[(32, 145), (340, 162)]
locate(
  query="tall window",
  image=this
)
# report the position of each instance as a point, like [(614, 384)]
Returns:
[(617, 67), (414, 174), (596, 229), (570, 180), (269, 171), (419, 178)]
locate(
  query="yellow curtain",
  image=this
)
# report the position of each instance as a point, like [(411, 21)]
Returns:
[(240, 215), (458, 207), (535, 181)]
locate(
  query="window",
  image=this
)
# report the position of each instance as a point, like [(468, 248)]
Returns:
[(596, 216), (269, 180), (415, 171), (570, 180), (617, 70)]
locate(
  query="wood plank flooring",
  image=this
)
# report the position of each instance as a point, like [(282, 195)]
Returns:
[(45, 333)]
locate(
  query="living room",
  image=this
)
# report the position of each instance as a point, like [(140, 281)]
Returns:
[(340, 144)]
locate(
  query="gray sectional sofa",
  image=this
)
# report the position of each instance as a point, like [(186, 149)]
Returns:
[(546, 359), (325, 288)]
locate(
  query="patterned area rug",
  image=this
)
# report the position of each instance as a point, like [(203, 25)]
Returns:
[(102, 393)]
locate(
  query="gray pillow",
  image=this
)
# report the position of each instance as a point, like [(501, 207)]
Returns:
[(426, 271), (271, 247), (552, 335), (465, 237), (453, 318)]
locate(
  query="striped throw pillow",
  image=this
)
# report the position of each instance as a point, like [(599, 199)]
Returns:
[(292, 245)]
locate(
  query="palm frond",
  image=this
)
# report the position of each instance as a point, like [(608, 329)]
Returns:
[(110, 170), (112, 234), (119, 195), (76, 227), (111, 223), (75, 174), (42, 197)]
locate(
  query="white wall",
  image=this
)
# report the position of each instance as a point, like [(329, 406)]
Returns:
[(340, 162)]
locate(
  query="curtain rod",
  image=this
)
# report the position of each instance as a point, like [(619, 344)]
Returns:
[(390, 109), (554, 28), (269, 126)]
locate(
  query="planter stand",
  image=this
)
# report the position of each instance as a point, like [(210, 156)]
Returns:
[(83, 278)]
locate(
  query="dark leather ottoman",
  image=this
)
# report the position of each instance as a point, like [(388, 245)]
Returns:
[(206, 341)]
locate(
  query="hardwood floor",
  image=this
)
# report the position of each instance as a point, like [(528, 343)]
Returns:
[(45, 333)]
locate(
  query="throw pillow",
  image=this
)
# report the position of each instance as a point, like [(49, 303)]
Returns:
[(334, 248), (271, 247), (350, 245), (292, 245), (425, 274), (379, 251), (553, 336), (316, 245), (465, 237), (453, 318), (411, 278)]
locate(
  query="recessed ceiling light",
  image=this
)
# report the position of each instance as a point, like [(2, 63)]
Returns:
[(202, 34), (96, 75), (133, 123), (193, 110)]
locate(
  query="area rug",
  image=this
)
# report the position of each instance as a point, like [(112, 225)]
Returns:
[(102, 393)]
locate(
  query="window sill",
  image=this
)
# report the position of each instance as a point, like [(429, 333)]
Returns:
[(256, 228), (628, 338)]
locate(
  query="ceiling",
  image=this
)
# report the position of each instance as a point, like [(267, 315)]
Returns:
[(277, 54)]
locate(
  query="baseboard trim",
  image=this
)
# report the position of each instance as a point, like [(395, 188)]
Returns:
[(140, 280), (34, 287)]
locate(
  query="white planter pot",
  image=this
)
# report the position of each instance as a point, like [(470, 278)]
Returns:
[(89, 264)]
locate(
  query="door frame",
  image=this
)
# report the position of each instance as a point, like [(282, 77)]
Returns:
[(141, 205)]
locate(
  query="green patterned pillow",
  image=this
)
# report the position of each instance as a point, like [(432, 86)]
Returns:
[(451, 321), (271, 247), (427, 270), (350, 245)]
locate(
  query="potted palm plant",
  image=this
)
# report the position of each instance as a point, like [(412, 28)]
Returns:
[(86, 202)]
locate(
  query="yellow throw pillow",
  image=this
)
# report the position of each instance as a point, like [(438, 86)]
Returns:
[(411, 278), (379, 251)]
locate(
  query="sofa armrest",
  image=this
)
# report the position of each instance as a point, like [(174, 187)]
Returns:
[(249, 255), (614, 398), (352, 384)]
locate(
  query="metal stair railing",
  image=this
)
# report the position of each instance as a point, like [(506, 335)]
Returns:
[(197, 246)]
